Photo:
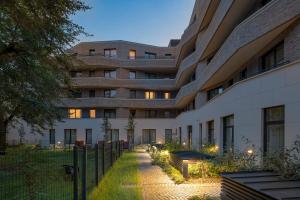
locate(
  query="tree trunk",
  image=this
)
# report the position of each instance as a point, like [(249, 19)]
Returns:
[(3, 132)]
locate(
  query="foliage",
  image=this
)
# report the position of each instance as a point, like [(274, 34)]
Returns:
[(203, 197), (120, 181), (161, 158), (286, 163), (130, 130), (174, 146), (106, 128), (34, 37), (209, 149)]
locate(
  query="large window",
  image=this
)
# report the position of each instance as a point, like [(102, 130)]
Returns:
[(211, 132), (149, 95), (149, 136), (110, 93), (92, 93), (168, 136), (149, 55), (110, 113), (228, 134), (110, 53), (88, 136), (132, 75), (273, 58), (132, 54), (52, 136), (190, 136), (70, 136), (110, 74), (273, 130), (74, 113), (92, 113), (150, 114), (214, 92)]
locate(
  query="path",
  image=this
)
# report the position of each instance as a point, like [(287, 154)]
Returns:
[(156, 185)]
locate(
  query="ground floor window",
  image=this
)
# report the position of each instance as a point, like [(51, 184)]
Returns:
[(273, 130), (210, 132), (168, 135), (70, 136), (52, 136), (114, 135), (228, 134), (149, 136), (180, 137), (88, 136), (190, 136)]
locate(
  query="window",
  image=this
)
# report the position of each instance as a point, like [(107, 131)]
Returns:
[(76, 93), (132, 54), (70, 136), (210, 132), (110, 53), (88, 136), (180, 136), (273, 58), (200, 135), (273, 130), (149, 136), (214, 92), (228, 134), (150, 113), (91, 93), (74, 113), (110, 93), (92, 73), (190, 136), (243, 74), (52, 136), (149, 55), (149, 95), (230, 82), (167, 95), (92, 113), (110, 74), (91, 52), (110, 113), (150, 76), (133, 94), (168, 55), (168, 136), (132, 75), (114, 135)]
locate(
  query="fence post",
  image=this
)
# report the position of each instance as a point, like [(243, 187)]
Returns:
[(103, 158), (84, 168), (75, 178), (97, 163)]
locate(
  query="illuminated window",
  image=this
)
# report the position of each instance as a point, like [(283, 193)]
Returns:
[(74, 113), (132, 54), (167, 95), (92, 113), (149, 95)]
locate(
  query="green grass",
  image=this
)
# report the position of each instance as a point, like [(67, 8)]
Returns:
[(27, 173), (120, 181)]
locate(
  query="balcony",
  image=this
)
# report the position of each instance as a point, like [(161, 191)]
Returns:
[(96, 82)]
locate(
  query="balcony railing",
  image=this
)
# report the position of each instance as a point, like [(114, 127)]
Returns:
[(128, 58)]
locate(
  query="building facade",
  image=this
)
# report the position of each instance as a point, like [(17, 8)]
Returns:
[(231, 80)]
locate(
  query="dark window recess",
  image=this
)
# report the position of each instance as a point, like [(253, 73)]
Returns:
[(132, 113), (228, 134), (209, 59), (190, 136), (149, 55), (70, 136), (168, 136), (214, 92), (92, 93), (273, 58), (168, 55), (273, 130), (92, 73), (92, 52), (110, 113), (230, 82), (210, 132), (150, 113), (88, 136), (132, 94), (85, 113), (243, 74), (76, 94), (52, 136)]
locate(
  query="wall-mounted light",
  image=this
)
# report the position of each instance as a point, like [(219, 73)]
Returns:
[(183, 143), (249, 151)]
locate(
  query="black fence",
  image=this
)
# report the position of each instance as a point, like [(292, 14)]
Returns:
[(29, 173)]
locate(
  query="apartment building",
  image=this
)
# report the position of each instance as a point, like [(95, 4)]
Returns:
[(234, 76)]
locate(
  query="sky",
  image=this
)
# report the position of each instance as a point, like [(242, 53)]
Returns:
[(152, 22)]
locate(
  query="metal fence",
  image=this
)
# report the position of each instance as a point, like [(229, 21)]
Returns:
[(28, 173)]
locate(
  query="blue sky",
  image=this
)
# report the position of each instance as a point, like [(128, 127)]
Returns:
[(145, 21)]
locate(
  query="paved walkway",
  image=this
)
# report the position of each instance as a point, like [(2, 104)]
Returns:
[(156, 185)]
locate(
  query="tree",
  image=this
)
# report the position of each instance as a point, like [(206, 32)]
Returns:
[(130, 132), (106, 128), (34, 37)]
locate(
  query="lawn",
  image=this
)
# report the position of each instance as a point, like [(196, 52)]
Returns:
[(120, 181), (27, 173)]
